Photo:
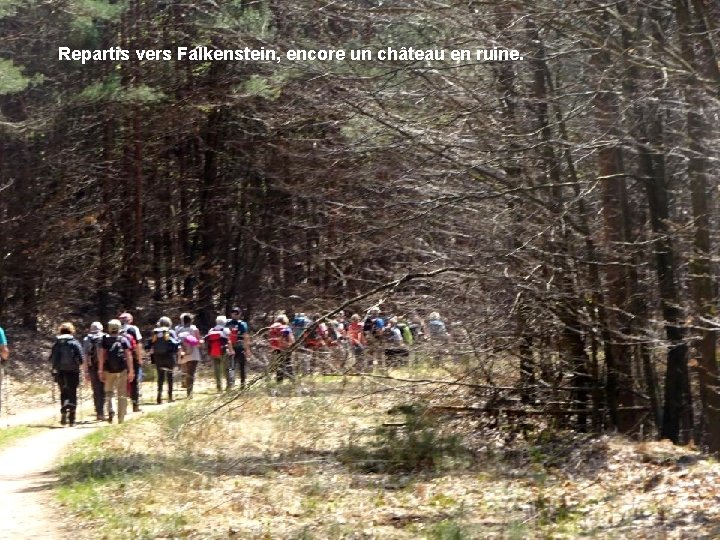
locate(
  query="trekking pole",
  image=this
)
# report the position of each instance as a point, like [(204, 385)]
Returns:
[(80, 400)]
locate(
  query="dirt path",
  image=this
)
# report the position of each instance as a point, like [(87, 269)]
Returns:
[(27, 509), (27, 506)]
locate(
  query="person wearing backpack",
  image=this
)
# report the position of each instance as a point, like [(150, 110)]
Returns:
[(299, 323), (438, 336), (436, 329), (219, 350), (374, 330), (190, 341), (115, 368), (4, 351), (405, 331), (164, 346), (280, 338), (356, 338), (91, 352), (4, 355), (417, 327), (134, 337), (395, 345), (66, 359), (240, 341)]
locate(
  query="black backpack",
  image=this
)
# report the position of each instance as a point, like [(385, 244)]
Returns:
[(94, 341), (368, 324), (163, 343), (115, 359), (66, 356)]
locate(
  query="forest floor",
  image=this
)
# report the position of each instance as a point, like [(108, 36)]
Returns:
[(355, 458), (32, 442)]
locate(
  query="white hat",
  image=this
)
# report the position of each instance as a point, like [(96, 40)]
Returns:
[(114, 325)]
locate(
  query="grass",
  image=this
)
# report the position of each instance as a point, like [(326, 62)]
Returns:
[(99, 466), (411, 445), (300, 465), (12, 434)]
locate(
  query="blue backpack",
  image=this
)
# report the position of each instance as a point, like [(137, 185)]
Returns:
[(436, 329), (299, 324)]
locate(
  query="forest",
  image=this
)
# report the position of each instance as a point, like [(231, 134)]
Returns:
[(553, 195), (559, 210)]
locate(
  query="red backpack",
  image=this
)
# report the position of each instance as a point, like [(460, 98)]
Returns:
[(234, 335), (279, 336), (129, 334), (217, 343)]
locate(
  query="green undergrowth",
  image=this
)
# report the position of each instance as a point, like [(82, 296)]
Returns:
[(266, 466), (326, 459), (12, 434), (98, 475), (413, 443)]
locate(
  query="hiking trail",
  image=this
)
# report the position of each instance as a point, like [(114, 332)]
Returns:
[(28, 508)]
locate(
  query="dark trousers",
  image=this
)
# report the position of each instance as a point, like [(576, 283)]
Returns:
[(283, 362), (239, 364), (189, 369), (164, 371), (68, 382), (134, 386), (98, 390)]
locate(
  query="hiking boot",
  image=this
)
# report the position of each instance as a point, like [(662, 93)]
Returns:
[(136, 407), (110, 416), (100, 417), (63, 417), (71, 418), (159, 399)]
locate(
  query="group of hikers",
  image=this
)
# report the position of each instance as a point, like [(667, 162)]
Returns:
[(112, 360), (111, 357), (374, 339)]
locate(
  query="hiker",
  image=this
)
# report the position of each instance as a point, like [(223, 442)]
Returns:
[(406, 330), (66, 359), (341, 327), (374, 329), (240, 341), (280, 338), (190, 341), (335, 341), (219, 350), (436, 329), (134, 337), (299, 323), (356, 337), (318, 338), (395, 346), (417, 327), (4, 355), (164, 347), (91, 349), (4, 351), (115, 368), (438, 337)]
